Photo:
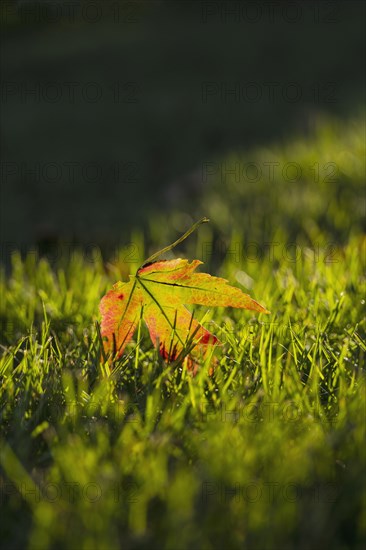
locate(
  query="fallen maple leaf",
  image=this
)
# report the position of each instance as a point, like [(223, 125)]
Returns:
[(157, 293)]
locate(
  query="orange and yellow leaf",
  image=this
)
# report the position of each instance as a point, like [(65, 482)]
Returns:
[(158, 293)]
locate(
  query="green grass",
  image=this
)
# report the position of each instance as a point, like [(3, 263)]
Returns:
[(267, 453)]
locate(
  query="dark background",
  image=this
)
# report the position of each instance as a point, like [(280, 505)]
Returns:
[(109, 110)]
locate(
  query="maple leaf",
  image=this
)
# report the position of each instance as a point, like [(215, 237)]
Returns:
[(158, 293)]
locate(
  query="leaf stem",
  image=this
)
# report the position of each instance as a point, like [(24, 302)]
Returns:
[(178, 241)]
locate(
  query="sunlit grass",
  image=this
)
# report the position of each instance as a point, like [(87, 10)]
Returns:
[(266, 453), (133, 455)]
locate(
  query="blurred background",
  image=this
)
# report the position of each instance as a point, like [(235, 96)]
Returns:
[(124, 117)]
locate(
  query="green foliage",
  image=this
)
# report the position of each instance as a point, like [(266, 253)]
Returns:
[(267, 453), (308, 190)]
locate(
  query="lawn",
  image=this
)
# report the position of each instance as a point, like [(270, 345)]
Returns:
[(268, 452)]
